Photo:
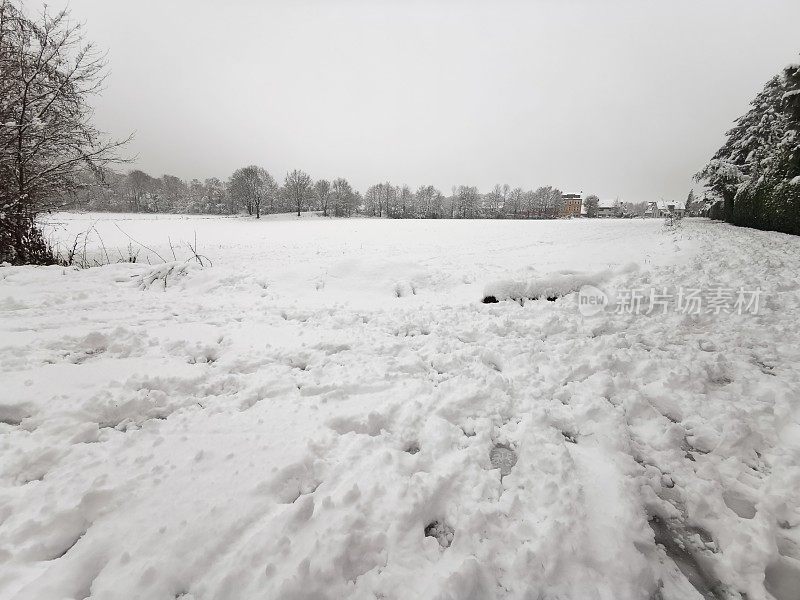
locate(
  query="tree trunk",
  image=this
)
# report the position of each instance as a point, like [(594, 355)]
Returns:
[(727, 206)]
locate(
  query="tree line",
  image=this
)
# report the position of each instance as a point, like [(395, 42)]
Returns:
[(756, 173), (254, 191)]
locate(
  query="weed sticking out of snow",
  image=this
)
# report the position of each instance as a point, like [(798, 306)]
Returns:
[(162, 276)]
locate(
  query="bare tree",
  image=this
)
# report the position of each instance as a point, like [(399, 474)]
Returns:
[(391, 196), (139, 186), (322, 191), (252, 187), (47, 74), (373, 200), (297, 186), (380, 198), (344, 200), (428, 202), (467, 198), (215, 196), (405, 199), (495, 201), (174, 193), (514, 205), (546, 202)]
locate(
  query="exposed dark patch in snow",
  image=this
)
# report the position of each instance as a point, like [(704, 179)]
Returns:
[(699, 575), (550, 287), (441, 531), (412, 448), (569, 436)]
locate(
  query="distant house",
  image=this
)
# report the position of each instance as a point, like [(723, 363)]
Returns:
[(662, 209), (571, 205), (608, 209), (652, 210)]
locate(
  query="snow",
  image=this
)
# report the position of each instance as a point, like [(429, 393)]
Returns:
[(329, 411), (607, 203), (550, 287)]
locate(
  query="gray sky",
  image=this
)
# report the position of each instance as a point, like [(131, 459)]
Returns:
[(620, 98)]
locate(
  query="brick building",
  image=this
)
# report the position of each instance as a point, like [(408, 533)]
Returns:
[(571, 205)]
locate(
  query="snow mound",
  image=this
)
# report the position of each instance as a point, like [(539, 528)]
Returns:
[(550, 287)]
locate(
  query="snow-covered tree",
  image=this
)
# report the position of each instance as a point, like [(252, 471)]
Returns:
[(297, 189), (253, 189), (174, 193), (514, 205), (322, 193), (755, 171), (405, 202), (48, 142), (139, 186), (373, 205), (591, 203), (344, 200), (467, 199), (216, 198), (429, 203), (545, 203), (495, 201), (690, 203)]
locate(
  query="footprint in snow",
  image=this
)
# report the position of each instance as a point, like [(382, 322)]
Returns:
[(569, 437), (674, 541), (707, 346), (504, 458)]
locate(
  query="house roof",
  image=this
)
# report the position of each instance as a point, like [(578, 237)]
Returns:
[(664, 205)]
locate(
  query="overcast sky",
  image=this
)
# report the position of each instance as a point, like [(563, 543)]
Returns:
[(620, 98)]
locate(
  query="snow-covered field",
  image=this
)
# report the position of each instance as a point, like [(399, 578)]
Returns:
[(322, 414)]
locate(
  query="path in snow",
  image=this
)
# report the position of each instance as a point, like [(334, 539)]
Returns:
[(286, 424)]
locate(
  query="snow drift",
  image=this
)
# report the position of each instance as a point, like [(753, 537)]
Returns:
[(551, 286)]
